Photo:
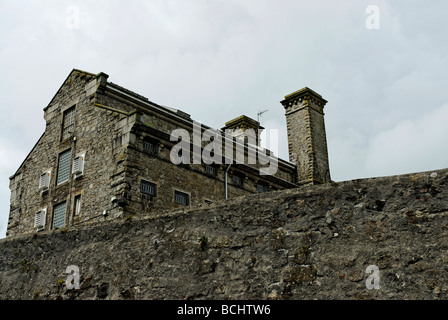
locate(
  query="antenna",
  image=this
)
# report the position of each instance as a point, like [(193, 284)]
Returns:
[(258, 131), (259, 114)]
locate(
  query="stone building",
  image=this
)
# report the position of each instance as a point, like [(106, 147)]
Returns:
[(108, 152)]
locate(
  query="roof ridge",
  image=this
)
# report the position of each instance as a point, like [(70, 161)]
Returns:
[(128, 91)]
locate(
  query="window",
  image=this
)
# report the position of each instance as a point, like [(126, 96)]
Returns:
[(77, 205), (59, 215), (181, 198), (150, 147), (44, 181), (238, 180), (148, 188), (261, 187), (78, 165), (210, 170), (39, 219), (64, 166), (68, 125)]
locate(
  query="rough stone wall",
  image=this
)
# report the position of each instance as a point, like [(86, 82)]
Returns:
[(92, 135), (191, 179), (314, 242)]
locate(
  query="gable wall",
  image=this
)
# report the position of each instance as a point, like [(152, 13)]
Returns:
[(91, 136)]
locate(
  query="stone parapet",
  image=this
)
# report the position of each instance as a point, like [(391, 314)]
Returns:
[(312, 242)]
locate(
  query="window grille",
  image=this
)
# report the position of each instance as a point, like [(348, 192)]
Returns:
[(64, 166), (39, 219), (44, 181), (181, 198), (210, 170), (150, 147), (237, 180), (59, 215), (68, 125), (262, 187), (78, 165), (148, 188)]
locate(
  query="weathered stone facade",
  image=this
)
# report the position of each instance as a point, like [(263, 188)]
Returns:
[(107, 153), (312, 242), (91, 138), (307, 140)]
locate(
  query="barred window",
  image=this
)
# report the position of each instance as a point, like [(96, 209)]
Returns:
[(40, 219), (181, 198), (238, 180), (261, 187), (68, 125), (59, 215), (210, 170), (148, 188), (64, 166), (44, 181), (150, 147)]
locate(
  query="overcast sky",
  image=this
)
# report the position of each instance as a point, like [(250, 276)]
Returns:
[(383, 70)]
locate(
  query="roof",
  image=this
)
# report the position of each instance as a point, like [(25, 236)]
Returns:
[(63, 83), (243, 121), (300, 93)]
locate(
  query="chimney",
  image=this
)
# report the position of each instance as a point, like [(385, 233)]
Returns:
[(239, 129), (307, 141)]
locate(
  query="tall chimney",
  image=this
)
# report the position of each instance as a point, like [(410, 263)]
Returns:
[(307, 141)]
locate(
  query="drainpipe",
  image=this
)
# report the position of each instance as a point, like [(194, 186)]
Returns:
[(225, 178)]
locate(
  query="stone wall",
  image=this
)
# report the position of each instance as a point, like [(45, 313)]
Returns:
[(314, 242), (92, 130)]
